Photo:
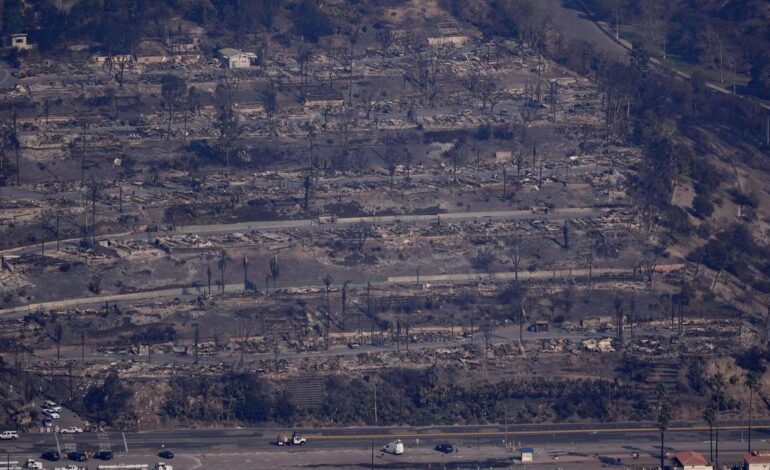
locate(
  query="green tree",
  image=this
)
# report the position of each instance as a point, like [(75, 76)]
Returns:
[(110, 401), (229, 132)]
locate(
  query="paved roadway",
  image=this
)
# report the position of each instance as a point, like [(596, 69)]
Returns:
[(572, 21), (7, 80), (598, 273), (619, 439)]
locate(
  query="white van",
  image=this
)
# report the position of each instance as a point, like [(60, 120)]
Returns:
[(394, 447)]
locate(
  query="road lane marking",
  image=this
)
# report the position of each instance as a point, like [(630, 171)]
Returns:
[(502, 433), (125, 444)]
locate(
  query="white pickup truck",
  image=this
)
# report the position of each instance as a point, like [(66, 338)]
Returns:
[(294, 440)]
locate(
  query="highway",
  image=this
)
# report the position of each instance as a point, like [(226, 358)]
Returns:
[(552, 439)]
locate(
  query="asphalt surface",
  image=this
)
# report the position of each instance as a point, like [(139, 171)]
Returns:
[(598, 273), (553, 439)]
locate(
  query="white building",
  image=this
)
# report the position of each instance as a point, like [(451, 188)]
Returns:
[(756, 461), (19, 41), (235, 59)]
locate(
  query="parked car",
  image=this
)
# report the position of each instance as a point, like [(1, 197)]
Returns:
[(103, 455), (71, 430), (51, 413), (77, 456), (6, 435), (47, 422), (51, 455), (50, 403), (166, 454), (445, 447), (32, 464)]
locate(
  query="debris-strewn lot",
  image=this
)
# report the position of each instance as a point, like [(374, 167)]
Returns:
[(464, 221)]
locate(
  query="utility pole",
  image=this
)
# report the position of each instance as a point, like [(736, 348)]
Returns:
[(506, 429), (94, 191), (18, 148), (83, 157), (374, 384), (58, 238), (505, 180), (245, 273)]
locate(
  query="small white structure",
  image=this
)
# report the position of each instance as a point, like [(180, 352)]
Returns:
[(756, 461), (19, 41), (394, 447), (235, 59), (690, 460), (527, 454), (503, 155), (455, 40)]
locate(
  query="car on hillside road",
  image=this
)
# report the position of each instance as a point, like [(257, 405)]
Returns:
[(166, 454)]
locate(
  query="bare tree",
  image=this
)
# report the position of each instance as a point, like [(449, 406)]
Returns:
[(486, 88), (304, 56), (223, 261), (472, 77), (369, 99), (269, 98), (516, 245), (619, 320), (528, 116), (385, 37), (274, 269), (488, 325), (246, 329)]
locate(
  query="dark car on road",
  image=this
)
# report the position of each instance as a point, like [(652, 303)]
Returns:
[(103, 455), (166, 454), (446, 448), (51, 455), (77, 456)]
